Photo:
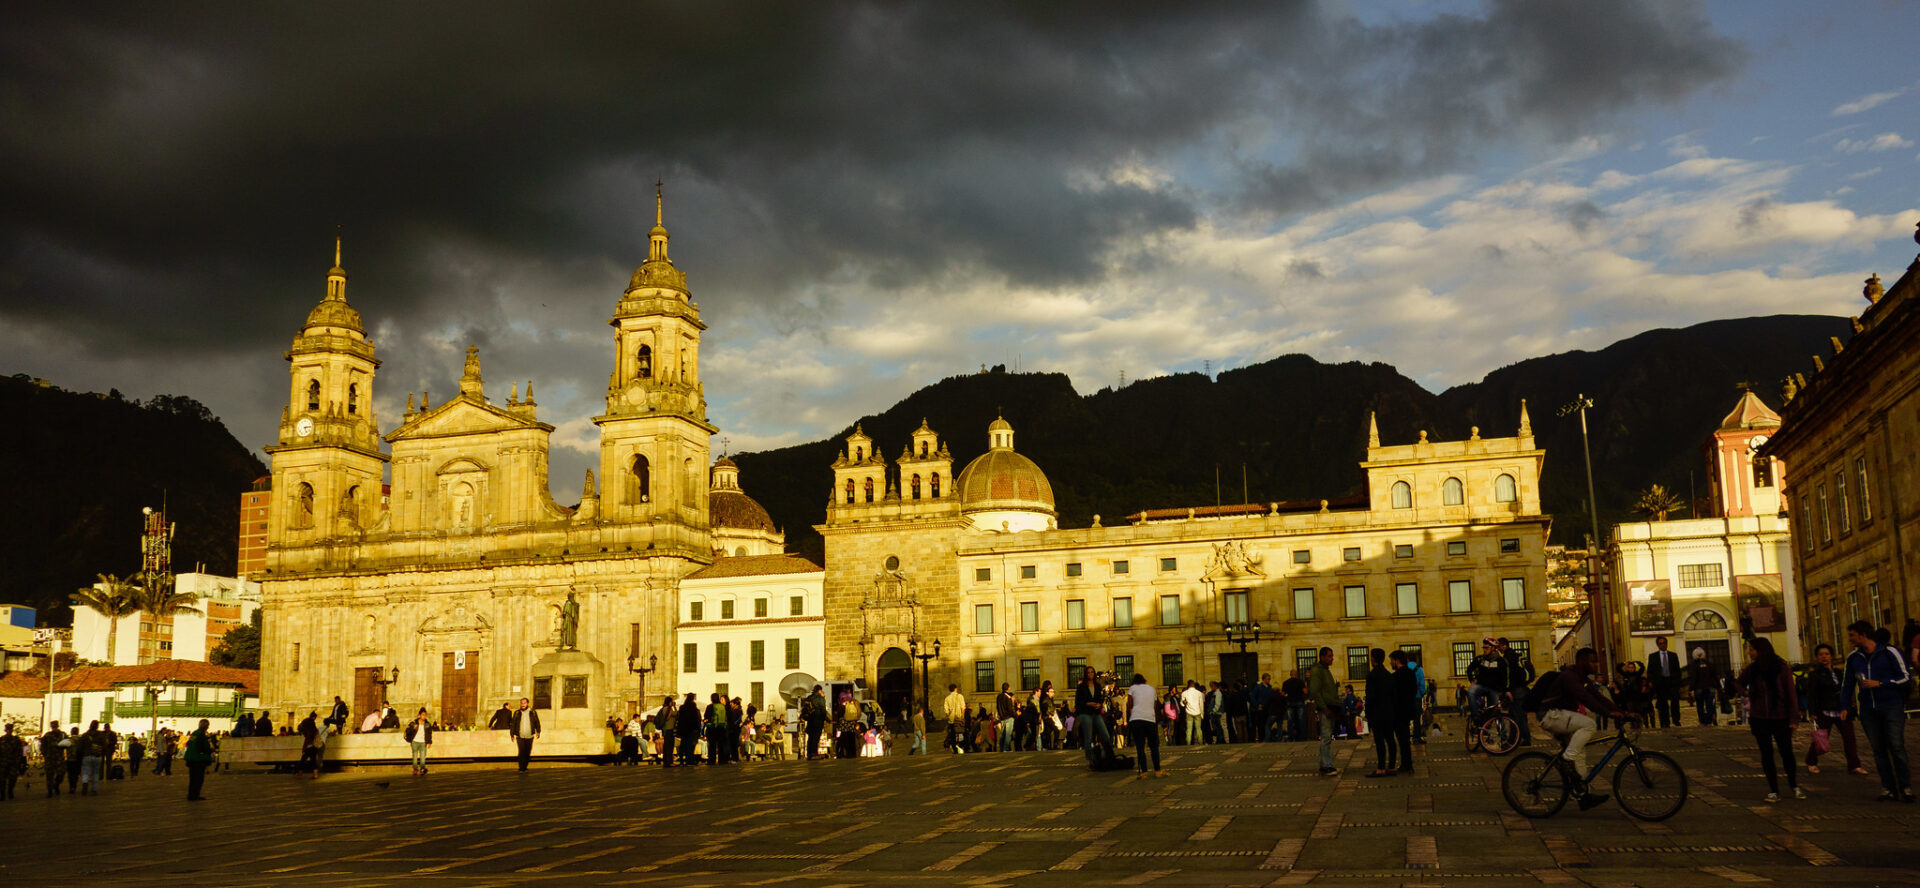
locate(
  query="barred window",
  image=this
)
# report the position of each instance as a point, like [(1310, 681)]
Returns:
[(1700, 576)]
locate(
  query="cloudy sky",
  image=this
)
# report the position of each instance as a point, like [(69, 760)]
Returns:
[(868, 197)]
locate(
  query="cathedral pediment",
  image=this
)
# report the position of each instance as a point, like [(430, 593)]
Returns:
[(463, 416)]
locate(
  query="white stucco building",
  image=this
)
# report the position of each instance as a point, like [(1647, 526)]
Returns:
[(224, 602), (168, 694), (749, 627)]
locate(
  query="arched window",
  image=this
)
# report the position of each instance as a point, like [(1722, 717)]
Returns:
[(859, 454), (691, 478), (934, 488), (849, 491), (916, 486), (923, 450), (640, 481), (1504, 490), (869, 490), (303, 505), (313, 394), (643, 362), (353, 397), (1704, 619), (350, 504), (1402, 495), (1452, 493), (740, 551)]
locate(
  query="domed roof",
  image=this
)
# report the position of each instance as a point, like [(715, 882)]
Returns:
[(729, 508), (1004, 479), (335, 313), (725, 462)]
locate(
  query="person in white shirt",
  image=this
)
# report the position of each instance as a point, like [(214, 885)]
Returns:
[(1141, 728), (1194, 701)]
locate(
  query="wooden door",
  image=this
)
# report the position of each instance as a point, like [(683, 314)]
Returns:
[(366, 693), (459, 688), (1234, 667)]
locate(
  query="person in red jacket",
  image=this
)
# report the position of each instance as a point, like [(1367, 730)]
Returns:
[(1772, 709)]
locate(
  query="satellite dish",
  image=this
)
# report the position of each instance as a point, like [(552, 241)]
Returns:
[(796, 686)]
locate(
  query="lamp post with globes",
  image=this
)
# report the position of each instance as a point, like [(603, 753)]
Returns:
[(391, 679), (1242, 634), (154, 691), (653, 662), (913, 650)]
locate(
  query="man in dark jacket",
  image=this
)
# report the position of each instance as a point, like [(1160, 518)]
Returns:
[(502, 720), (1406, 705), (199, 754), (813, 715), (1004, 711), (1382, 714), (667, 722), (1878, 677), (1704, 680), (526, 728), (1831, 708), (1663, 670), (338, 718)]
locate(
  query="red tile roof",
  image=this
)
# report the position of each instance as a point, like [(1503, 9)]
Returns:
[(100, 678), (754, 565), (20, 684)]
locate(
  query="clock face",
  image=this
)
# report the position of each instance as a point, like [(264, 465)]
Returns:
[(304, 427), (1756, 442)]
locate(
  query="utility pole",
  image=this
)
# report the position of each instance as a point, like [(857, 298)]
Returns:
[(1598, 617)]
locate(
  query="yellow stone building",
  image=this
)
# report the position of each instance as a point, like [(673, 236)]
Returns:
[(456, 576), (1445, 547)]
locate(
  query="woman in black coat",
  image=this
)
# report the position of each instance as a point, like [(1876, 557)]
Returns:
[(688, 729), (1382, 714)]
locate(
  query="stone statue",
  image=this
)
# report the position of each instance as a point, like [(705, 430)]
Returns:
[(569, 623)]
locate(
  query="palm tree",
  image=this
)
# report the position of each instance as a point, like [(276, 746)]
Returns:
[(1657, 501), (110, 597), (159, 597)]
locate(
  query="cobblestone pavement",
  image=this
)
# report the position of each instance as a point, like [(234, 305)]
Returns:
[(1225, 816)]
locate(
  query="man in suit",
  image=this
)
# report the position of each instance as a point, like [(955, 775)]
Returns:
[(1663, 670), (338, 717), (526, 726)]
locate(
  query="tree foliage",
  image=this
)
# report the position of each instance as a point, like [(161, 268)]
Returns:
[(240, 647)]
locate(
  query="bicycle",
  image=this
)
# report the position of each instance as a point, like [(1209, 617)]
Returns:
[(1493, 730), (1648, 785)]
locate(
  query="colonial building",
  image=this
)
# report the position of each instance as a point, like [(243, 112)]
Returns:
[(468, 575), (1702, 581), (750, 627), (166, 694), (1850, 437), (1444, 548)]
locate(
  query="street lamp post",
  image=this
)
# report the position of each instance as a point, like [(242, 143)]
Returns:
[(653, 662), (913, 650), (154, 690), (1242, 634), (384, 682), (1598, 617)]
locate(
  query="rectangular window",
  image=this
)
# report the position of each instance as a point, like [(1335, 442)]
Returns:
[(757, 654), (1076, 614), (982, 574), (696, 611), (797, 606), (759, 608), (1826, 517), (1172, 670), (1076, 667), (1123, 668), (983, 677), (1840, 493), (1513, 594), (1073, 569), (726, 609), (1303, 604), (1700, 576), (1406, 598), (1456, 547), (757, 694), (1522, 648), (1860, 486), (1509, 546), (793, 653), (1873, 606), (1403, 551), (1463, 652), (1413, 653), (1302, 556), (722, 656), (1029, 616), (1239, 609), (1357, 662), (74, 718), (1120, 567), (1351, 553), (1028, 571), (1169, 563), (1169, 610), (193, 696), (1459, 596), (982, 619), (1813, 619), (295, 661), (1029, 675), (633, 640), (689, 657), (1304, 658), (724, 690), (1356, 601), (1123, 613)]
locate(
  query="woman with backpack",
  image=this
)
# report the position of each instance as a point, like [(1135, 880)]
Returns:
[(1767, 683)]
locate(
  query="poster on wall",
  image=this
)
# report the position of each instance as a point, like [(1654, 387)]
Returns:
[(1762, 601), (1650, 607)]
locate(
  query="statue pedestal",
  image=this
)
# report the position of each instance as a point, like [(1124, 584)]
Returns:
[(575, 687)]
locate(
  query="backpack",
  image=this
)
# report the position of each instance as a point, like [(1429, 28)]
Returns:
[(1544, 692)]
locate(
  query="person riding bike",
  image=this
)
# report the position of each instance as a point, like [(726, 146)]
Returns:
[(1488, 673), (1560, 715)]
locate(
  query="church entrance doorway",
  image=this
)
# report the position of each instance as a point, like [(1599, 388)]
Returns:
[(366, 691), (896, 683), (1237, 667), (459, 688)]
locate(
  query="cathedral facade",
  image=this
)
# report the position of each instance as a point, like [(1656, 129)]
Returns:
[(445, 588)]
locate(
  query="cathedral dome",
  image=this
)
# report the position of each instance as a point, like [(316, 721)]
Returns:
[(1002, 480), (335, 313), (732, 509)]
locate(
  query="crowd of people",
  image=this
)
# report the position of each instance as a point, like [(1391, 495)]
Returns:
[(76, 762)]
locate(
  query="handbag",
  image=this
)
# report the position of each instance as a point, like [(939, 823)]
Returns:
[(1822, 741)]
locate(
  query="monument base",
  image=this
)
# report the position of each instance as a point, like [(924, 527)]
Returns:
[(569, 691)]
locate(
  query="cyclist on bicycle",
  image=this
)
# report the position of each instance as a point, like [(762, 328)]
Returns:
[(1488, 672), (1560, 714)]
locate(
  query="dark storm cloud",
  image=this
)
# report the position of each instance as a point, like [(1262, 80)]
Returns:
[(171, 172)]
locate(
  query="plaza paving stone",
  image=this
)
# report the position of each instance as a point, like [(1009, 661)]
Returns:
[(1253, 814)]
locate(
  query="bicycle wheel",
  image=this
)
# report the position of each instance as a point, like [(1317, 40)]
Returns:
[(1534, 784), (1500, 734), (1650, 786), (1472, 735)]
